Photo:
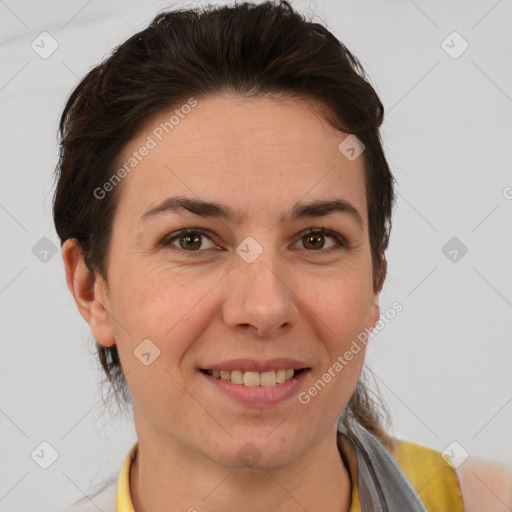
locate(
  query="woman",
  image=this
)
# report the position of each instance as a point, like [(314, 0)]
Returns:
[(224, 205)]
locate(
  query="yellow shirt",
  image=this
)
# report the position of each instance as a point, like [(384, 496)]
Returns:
[(432, 477)]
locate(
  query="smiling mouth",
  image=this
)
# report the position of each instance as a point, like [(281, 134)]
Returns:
[(249, 378)]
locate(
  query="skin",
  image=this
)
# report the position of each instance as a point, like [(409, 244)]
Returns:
[(259, 156), (485, 485)]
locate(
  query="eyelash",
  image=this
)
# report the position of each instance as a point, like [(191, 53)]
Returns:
[(341, 243)]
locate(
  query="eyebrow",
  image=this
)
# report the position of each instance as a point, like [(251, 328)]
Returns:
[(319, 208)]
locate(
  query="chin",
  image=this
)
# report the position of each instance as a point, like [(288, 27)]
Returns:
[(258, 452)]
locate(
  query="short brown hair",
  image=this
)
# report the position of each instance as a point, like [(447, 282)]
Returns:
[(248, 49)]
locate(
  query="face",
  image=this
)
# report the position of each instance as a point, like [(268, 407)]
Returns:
[(261, 281)]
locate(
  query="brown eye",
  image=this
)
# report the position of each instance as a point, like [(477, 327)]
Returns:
[(322, 241), (191, 240), (314, 241)]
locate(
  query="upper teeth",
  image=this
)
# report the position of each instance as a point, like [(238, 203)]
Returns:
[(270, 378)]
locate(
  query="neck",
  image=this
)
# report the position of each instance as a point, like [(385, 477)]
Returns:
[(169, 477)]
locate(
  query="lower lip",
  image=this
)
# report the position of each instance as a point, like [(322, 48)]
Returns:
[(259, 396)]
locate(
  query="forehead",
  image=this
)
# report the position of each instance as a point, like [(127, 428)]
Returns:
[(257, 151)]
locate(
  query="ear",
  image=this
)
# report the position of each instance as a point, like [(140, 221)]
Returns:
[(89, 292), (374, 311), (381, 274), (378, 282)]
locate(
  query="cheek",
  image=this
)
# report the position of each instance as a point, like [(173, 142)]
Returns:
[(340, 317), (160, 305), (169, 310), (341, 303), (340, 312)]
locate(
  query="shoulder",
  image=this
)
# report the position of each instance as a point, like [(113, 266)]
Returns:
[(479, 484), (430, 475), (485, 485)]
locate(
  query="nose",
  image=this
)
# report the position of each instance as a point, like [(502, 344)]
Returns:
[(260, 298)]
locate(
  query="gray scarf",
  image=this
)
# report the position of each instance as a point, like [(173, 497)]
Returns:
[(382, 485)]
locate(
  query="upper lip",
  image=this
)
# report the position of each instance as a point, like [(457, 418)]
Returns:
[(257, 365)]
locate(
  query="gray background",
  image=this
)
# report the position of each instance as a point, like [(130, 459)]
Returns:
[(443, 365)]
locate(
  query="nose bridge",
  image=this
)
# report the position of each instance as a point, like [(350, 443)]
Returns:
[(260, 292)]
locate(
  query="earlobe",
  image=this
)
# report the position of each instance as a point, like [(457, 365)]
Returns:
[(89, 293)]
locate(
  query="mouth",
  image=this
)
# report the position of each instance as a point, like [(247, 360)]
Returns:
[(255, 383), (248, 378)]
